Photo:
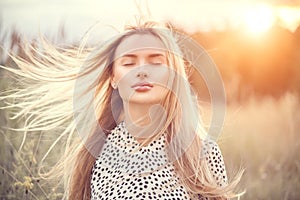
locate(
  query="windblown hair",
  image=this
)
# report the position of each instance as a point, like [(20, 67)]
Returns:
[(71, 88)]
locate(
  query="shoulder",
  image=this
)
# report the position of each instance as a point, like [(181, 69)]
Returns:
[(213, 157)]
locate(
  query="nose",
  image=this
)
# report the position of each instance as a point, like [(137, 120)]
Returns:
[(142, 74), (142, 69)]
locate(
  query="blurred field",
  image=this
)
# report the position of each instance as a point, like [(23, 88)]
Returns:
[(261, 133)]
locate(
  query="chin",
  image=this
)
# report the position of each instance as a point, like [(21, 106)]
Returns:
[(145, 101)]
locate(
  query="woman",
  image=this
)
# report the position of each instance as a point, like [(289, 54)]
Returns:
[(136, 113)]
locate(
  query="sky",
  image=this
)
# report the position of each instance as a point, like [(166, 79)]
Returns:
[(77, 16)]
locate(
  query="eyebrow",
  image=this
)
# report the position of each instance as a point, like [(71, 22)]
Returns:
[(129, 55), (150, 56), (156, 55)]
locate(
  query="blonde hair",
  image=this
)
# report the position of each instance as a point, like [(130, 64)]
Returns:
[(63, 87)]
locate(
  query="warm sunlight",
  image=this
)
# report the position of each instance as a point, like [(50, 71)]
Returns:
[(259, 19), (289, 17)]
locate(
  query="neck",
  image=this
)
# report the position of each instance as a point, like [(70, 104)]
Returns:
[(142, 120)]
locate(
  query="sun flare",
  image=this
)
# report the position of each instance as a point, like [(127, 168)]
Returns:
[(258, 19)]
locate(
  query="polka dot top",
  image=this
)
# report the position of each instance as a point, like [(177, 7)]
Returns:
[(126, 170)]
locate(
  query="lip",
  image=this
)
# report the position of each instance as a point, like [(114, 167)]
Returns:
[(142, 86)]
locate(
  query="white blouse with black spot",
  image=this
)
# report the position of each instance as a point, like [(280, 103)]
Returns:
[(125, 170)]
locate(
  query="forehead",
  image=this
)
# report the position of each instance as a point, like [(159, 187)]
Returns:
[(139, 42)]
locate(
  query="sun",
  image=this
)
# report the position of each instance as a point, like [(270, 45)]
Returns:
[(258, 19)]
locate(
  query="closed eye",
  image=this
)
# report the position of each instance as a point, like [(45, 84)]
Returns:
[(157, 61), (128, 64)]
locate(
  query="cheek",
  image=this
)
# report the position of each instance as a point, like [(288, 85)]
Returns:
[(119, 73), (123, 79), (161, 76)]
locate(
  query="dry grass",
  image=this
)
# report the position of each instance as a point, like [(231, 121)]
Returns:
[(263, 136)]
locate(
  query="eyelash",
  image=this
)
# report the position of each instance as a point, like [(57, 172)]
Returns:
[(128, 64), (152, 63), (158, 62)]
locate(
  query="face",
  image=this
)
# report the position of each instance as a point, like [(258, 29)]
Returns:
[(140, 71)]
